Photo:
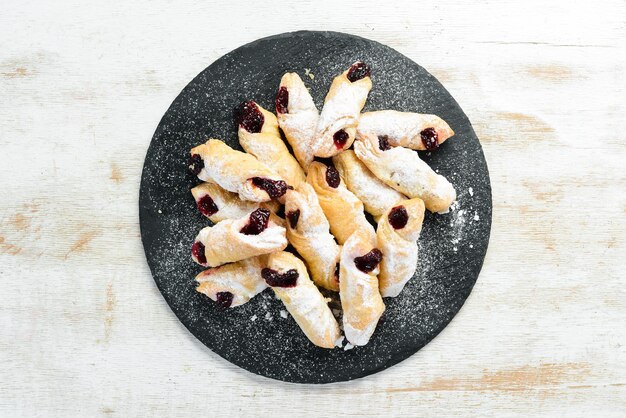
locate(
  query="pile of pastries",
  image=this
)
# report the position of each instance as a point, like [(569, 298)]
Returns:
[(265, 199)]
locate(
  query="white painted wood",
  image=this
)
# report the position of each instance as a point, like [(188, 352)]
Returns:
[(84, 331)]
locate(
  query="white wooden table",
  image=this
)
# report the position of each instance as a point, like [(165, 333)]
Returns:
[(84, 330)]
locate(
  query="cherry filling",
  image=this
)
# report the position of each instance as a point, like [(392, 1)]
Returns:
[(383, 143), (224, 299), (293, 217), (257, 222), (332, 177), (369, 261), (429, 139), (206, 205), (357, 71), (197, 251), (249, 116), (196, 164), (276, 279), (340, 138), (282, 100), (274, 188), (398, 217)]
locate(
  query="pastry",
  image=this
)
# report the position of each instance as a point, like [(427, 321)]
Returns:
[(259, 136), (288, 277), (236, 172), (397, 234), (238, 239), (233, 284), (336, 128), (342, 208), (405, 129), (402, 169), (376, 196), (308, 232), (297, 117), (218, 204), (358, 287)]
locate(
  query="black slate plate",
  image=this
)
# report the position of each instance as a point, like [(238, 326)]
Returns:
[(452, 246)]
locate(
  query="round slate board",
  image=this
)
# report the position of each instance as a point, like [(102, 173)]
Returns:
[(255, 336)]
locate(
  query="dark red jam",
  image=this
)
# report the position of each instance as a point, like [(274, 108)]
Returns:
[(197, 250), (340, 138), (196, 164), (332, 177), (257, 222), (274, 188), (357, 71), (224, 299), (383, 143), (206, 205), (276, 279), (249, 116), (369, 261), (398, 217), (429, 139), (282, 100), (293, 217)]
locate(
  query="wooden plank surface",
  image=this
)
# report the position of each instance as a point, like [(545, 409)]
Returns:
[(84, 331)]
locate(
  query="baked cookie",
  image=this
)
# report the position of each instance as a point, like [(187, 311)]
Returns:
[(233, 284), (358, 287), (405, 129), (403, 170), (236, 171), (336, 128), (397, 234), (289, 279), (259, 136), (238, 239), (342, 208), (297, 117), (376, 196), (308, 232), (218, 204)]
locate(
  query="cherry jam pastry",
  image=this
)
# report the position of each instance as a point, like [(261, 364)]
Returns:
[(224, 299), (429, 139), (274, 188), (257, 222), (332, 177), (369, 261), (383, 143), (276, 279), (196, 164), (357, 71), (340, 138), (197, 250), (398, 217), (249, 117), (282, 100), (293, 217), (207, 206)]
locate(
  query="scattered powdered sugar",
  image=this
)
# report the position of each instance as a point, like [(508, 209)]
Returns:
[(471, 191), (283, 313), (268, 316), (253, 318)]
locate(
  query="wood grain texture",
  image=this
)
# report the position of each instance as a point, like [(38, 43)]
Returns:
[(84, 329)]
